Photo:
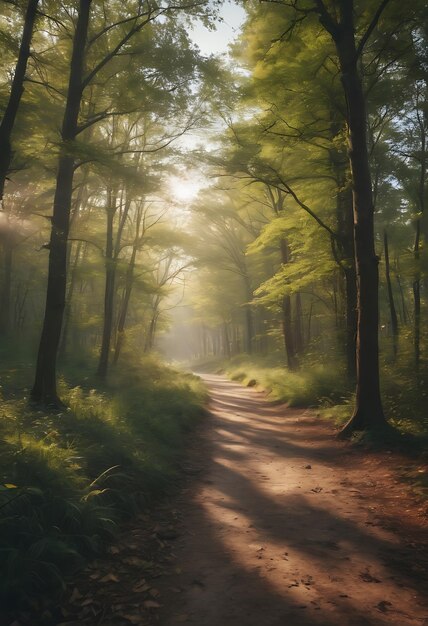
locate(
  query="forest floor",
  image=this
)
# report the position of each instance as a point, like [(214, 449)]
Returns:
[(277, 523)]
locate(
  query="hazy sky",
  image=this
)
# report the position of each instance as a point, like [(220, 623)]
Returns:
[(217, 41)]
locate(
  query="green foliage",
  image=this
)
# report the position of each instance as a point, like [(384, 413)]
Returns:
[(69, 477), (325, 387), (308, 387)]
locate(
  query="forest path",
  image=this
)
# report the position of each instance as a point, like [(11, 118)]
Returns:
[(278, 524), (287, 526)]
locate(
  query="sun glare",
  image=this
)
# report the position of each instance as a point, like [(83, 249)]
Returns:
[(185, 189)]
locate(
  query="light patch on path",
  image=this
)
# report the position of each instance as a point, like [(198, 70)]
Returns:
[(286, 527)]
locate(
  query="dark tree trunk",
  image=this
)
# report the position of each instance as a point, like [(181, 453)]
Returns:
[(150, 339), (368, 412), (44, 389), (351, 320), (417, 248), (346, 236), (299, 324), (129, 281), (110, 279), (20, 300), (5, 295), (287, 326), (416, 286), (226, 341), (248, 316), (67, 311), (392, 309), (8, 120)]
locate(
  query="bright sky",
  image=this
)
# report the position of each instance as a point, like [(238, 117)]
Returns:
[(217, 41), (185, 188)]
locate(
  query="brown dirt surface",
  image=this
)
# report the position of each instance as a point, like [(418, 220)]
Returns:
[(277, 524)]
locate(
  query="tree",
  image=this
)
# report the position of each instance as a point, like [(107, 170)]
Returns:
[(98, 48), (17, 89)]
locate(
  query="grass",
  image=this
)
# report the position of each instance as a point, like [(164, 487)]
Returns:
[(307, 387), (324, 387), (68, 478)]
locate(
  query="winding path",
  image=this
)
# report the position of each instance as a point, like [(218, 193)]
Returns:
[(284, 526)]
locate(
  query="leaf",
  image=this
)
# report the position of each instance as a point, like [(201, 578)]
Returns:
[(150, 604), (76, 595), (134, 619), (10, 486), (109, 578)]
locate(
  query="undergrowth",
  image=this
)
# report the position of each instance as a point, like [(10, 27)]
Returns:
[(67, 478), (307, 387), (325, 388)]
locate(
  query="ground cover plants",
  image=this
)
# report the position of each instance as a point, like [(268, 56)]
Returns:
[(69, 477)]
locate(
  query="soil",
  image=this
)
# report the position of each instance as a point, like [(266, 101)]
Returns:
[(277, 524)]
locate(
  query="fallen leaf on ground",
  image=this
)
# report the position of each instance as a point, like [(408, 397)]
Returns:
[(150, 604), (134, 619), (76, 595), (109, 578)]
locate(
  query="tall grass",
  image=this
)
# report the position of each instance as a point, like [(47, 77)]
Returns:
[(67, 478), (325, 387), (309, 386)]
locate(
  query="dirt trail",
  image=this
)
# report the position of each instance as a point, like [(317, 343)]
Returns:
[(277, 524), (286, 526)]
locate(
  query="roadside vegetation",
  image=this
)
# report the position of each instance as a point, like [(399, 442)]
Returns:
[(69, 477), (326, 389)]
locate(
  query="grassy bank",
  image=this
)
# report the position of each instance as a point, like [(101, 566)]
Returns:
[(68, 478), (325, 388)]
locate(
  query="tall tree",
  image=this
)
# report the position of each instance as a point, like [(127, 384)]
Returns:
[(44, 389), (16, 91), (340, 25)]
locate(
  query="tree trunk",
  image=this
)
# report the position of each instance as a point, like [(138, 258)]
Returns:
[(17, 89), (417, 248), (368, 412), (67, 311), (5, 296), (248, 316), (404, 315), (44, 389), (150, 339), (416, 286), (351, 321), (129, 280), (392, 309), (287, 326), (226, 341), (346, 234), (298, 325), (110, 268)]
